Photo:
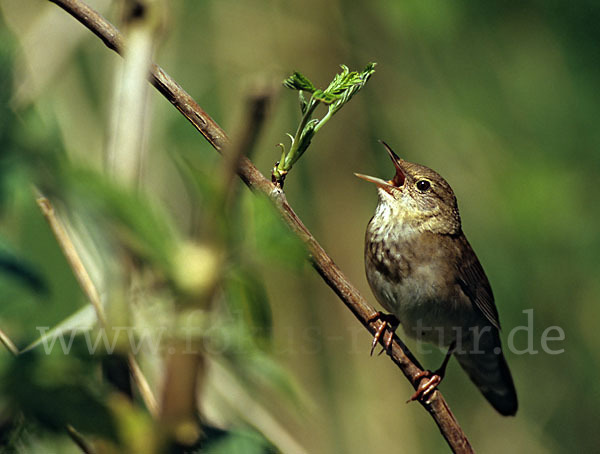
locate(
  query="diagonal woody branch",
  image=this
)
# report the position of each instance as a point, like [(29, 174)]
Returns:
[(323, 264)]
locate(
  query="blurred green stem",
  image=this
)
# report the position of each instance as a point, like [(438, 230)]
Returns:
[(179, 418), (89, 289), (72, 256), (142, 21), (79, 440), (9, 344)]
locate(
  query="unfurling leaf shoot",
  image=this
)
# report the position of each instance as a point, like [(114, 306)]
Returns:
[(339, 92)]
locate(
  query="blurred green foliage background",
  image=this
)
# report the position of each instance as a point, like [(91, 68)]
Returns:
[(501, 98)]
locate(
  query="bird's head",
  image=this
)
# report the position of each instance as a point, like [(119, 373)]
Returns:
[(417, 196)]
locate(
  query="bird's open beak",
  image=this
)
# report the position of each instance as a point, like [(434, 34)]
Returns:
[(399, 178), (385, 185)]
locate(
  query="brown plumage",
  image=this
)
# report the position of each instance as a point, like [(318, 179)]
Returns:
[(423, 270)]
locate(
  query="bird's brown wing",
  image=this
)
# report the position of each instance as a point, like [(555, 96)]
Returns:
[(474, 283)]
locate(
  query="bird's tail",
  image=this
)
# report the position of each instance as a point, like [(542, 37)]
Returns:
[(487, 368)]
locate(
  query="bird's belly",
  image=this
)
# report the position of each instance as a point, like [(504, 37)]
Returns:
[(422, 304)]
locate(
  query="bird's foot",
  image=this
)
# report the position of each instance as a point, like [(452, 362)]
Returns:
[(426, 387), (387, 321)]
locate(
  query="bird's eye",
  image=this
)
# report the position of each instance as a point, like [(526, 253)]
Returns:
[(423, 185)]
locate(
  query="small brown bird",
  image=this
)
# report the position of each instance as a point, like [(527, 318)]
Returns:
[(423, 270)]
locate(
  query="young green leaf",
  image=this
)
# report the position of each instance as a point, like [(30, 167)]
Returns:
[(326, 97), (303, 103), (299, 82), (82, 320), (140, 225), (350, 85)]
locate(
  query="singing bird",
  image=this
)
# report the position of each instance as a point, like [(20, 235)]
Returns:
[(423, 270)]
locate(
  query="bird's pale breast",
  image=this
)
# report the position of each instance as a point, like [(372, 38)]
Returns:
[(412, 276)]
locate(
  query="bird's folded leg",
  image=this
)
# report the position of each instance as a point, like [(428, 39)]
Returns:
[(388, 321), (427, 387)]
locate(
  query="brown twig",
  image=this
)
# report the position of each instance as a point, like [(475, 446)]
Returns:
[(331, 274), (9, 344), (66, 245), (143, 386), (79, 440), (256, 110)]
